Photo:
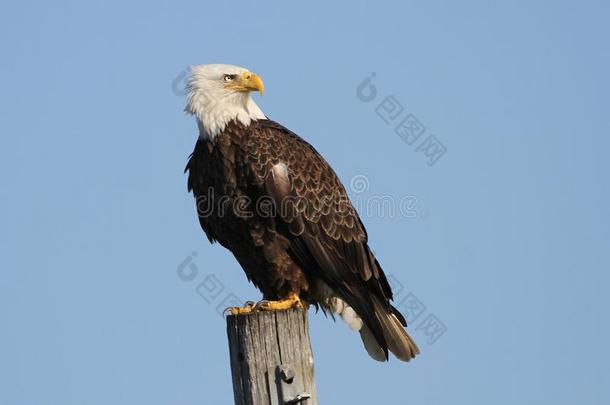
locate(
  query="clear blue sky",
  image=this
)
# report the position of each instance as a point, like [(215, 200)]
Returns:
[(509, 247)]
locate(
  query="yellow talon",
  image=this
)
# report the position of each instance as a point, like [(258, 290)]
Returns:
[(293, 301), (246, 309)]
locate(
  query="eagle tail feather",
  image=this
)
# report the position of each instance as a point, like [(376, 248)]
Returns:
[(397, 339), (371, 345), (399, 342)]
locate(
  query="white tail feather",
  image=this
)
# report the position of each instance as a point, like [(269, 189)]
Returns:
[(371, 345), (351, 318)]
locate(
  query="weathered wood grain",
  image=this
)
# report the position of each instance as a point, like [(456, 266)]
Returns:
[(261, 342)]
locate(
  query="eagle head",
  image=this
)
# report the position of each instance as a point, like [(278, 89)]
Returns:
[(219, 93)]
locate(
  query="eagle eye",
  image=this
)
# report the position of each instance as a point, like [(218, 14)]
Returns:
[(228, 78)]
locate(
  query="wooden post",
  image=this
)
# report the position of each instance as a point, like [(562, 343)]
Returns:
[(271, 358)]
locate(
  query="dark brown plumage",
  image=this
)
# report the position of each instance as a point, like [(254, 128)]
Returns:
[(270, 198)]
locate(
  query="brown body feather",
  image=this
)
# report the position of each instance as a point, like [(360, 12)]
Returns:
[(269, 197)]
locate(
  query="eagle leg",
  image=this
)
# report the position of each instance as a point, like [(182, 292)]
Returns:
[(293, 301)]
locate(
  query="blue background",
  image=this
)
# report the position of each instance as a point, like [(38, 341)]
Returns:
[(509, 248)]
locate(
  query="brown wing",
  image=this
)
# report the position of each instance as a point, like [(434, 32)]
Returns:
[(327, 237)]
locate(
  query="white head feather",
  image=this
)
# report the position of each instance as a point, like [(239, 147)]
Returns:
[(215, 102)]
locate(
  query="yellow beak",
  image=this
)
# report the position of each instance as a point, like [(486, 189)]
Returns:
[(251, 82)]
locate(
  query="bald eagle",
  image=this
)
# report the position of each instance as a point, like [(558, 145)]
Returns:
[(271, 199)]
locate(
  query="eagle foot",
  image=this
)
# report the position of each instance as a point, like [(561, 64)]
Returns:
[(246, 309), (293, 301)]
